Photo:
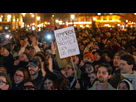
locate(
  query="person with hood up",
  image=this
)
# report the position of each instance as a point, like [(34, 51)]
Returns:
[(125, 85)]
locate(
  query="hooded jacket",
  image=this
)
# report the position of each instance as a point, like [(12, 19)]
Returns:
[(130, 85)]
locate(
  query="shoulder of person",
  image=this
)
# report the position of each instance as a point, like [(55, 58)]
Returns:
[(94, 86)]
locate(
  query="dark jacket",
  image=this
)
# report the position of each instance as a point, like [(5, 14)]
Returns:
[(85, 82), (72, 80), (116, 79), (9, 63), (21, 65), (38, 81), (15, 87)]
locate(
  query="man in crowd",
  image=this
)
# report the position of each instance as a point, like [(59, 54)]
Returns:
[(7, 59), (103, 75), (127, 71), (34, 67)]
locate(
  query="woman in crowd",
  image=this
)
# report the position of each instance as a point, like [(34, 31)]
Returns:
[(20, 77)]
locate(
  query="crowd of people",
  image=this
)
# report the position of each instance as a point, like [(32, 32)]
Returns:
[(107, 61)]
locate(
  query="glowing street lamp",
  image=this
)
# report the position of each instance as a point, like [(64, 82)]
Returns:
[(38, 18), (24, 18), (73, 17)]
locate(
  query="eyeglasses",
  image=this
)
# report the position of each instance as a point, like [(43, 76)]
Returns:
[(1, 82), (29, 87), (67, 68), (20, 76)]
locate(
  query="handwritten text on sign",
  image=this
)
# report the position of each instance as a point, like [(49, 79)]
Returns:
[(66, 42)]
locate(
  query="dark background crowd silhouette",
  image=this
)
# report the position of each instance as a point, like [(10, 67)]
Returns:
[(107, 61)]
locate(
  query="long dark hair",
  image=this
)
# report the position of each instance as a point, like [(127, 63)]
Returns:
[(26, 76), (48, 76)]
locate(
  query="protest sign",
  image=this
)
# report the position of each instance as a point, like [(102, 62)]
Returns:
[(66, 42)]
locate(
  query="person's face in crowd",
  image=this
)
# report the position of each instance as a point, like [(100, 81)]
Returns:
[(33, 71), (48, 84), (92, 78), (116, 61), (125, 68), (106, 57), (75, 59), (21, 42), (47, 53), (122, 86), (102, 75), (69, 71), (84, 41), (3, 83), (82, 47), (89, 69), (4, 51), (2, 69), (18, 77), (88, 59), (27, 51), (104, 41), (33, 38), (97, 57), (46, 59), (32, 52), (98, 39), (23, 57), (28, 86), (123, 42)]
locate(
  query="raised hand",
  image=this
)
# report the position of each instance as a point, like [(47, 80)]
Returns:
[(42, 69), (53, 47), (50, 64)]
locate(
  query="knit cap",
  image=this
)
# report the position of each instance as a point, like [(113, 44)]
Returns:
[(89, 55), (7, 79), (7, 46)]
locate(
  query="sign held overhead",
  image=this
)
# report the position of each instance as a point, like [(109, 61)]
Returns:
[(66, 42)]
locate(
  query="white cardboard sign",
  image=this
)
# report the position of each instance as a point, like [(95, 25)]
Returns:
[(67, 42)]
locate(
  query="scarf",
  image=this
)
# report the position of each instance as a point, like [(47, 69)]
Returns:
[(131, 76)]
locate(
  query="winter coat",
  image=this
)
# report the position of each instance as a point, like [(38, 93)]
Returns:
[(130, 85), (96, 82), (9, 63), (38, 81)]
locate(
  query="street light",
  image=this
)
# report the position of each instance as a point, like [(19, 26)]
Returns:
[(73, 17), (24, 18), (23, 14), (38, 18)]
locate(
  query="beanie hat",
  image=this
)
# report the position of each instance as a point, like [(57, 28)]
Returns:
[(7, 79), (89, 55), (7, 46)]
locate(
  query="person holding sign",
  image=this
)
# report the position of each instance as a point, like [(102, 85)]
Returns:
[(68, 72)]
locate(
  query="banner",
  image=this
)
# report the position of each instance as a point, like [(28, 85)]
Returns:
[(66, 42)]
